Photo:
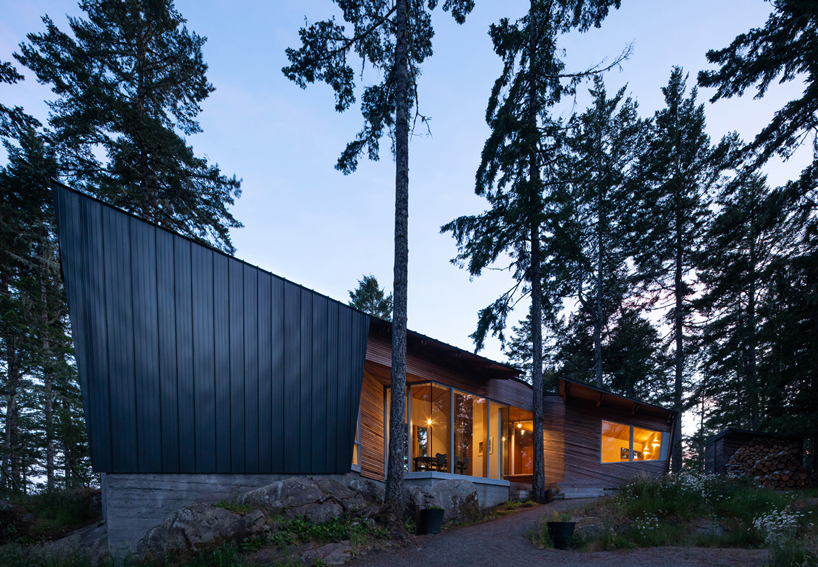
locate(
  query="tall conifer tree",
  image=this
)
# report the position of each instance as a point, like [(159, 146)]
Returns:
[(678, 171), (604, 141), (129, 82), (395, 38), (519, 177)]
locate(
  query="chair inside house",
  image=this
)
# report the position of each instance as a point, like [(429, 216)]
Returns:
[(442, 464), (462, 465)]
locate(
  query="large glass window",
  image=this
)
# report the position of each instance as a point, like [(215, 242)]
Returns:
[(470, 429), (520, 439), (457, 432), (431, 409), (625, 443), (647, 444), (498, 416)]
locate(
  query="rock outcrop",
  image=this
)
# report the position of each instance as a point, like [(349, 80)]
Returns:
[(192, 529), (458, 498), (318, 500)]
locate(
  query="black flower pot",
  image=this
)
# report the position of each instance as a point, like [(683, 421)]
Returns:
[(561, 533), (430, 521)]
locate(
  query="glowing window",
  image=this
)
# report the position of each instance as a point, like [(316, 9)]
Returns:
[(626, 443)]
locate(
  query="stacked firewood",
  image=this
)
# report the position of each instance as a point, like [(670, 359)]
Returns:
[(772, 463)]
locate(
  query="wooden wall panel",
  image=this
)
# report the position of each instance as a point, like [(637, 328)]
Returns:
[(583, 438), (554, 440), (372, 429), (419, 369)]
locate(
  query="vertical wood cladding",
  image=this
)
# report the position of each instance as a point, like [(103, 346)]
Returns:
[(193, 361), (372, 429)]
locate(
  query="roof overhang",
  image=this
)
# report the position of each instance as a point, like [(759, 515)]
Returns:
[(571, 390), (448, 354)]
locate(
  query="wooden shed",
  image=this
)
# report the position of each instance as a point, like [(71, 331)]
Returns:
[(719, 448)]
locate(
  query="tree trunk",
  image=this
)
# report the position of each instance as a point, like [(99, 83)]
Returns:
[(598, 315), (393, 505), (46, 354), (538, 487), (751, 329), (678, 328)]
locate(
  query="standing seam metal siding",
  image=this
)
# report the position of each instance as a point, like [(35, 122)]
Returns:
[(191, 361)]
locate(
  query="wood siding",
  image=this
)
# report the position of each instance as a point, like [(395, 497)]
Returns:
[(554, 440), (420, 369), (372, 429), (583, 442), (191, 361)]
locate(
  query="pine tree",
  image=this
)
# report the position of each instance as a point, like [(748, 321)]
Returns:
[(743, 243), (395, 38), (519, 176), (604, 141), (786, 49), (129, 82), (677, 171), (370, 298)]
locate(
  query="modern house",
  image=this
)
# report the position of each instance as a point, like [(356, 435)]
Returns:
[(202, 375)]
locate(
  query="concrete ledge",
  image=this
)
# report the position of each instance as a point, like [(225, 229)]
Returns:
[(132, 504), (490, 491)]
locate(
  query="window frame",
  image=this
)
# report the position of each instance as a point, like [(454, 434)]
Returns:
[(357, 444), (630, 444)]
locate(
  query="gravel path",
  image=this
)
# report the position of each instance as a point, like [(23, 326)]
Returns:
[(502, 543)]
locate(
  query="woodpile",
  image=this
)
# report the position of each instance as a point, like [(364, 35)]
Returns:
[(773, 463)]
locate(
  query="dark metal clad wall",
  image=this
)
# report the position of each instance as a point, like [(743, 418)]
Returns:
[(191, 361)]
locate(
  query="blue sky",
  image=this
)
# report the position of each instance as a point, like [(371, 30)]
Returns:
[(311, 224)]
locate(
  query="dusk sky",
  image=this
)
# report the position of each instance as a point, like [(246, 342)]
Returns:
[(309, 223)]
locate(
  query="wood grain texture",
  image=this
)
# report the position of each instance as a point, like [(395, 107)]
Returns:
[(420, 368), (583, 441), (554, 440), (372, 429)]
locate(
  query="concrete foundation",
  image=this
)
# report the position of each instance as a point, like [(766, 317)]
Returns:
[(132, 504), (490, 491)]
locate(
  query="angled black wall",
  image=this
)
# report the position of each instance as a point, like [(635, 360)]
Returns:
[(191, 361)]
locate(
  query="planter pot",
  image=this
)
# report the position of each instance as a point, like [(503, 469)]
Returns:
[(561, 533), (430, 521)]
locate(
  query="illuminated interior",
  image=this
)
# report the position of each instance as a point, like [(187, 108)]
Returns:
[(647, 444), (625, 443)]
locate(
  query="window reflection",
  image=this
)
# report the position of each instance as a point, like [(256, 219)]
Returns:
[(470, 428), (430, 408)]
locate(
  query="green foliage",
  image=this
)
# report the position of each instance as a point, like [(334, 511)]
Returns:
[(651, 512), (323, 56), (333, 531), (539, 536), (234, 506), (370, 298), (129, 81)]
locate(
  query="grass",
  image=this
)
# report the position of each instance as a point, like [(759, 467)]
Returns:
[(678, 510), (235, 507)]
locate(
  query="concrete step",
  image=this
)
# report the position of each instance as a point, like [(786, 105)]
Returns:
[(577, 493)]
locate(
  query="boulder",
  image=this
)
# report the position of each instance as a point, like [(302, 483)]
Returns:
[(90, 541), (279, 496), (417, 498), (318, 500), (330, 554), (708, 528), (458, 498), (195, 528), (370, 490)]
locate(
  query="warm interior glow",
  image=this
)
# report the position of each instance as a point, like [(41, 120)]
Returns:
[(647, 444), (616, 439)]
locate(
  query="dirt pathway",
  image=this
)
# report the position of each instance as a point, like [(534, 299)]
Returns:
[(502, 543)]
